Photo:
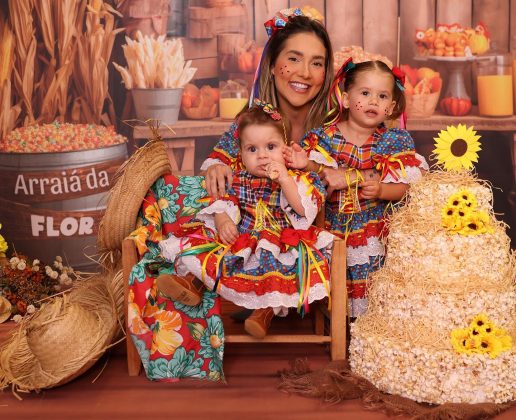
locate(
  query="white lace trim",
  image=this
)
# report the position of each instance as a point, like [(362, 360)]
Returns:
[(310, 206), (210, 162), (318, 157), (357, 306), (171, 246), (252, 300), (413, 175), (206, 215), (361, 254), (424, 164)]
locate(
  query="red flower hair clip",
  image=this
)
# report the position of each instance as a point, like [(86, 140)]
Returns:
[(399, 77)]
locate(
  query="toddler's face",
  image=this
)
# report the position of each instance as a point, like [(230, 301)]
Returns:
[(370, 99), (260, 145)]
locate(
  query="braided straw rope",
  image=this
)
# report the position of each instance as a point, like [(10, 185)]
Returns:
[(131, 183)]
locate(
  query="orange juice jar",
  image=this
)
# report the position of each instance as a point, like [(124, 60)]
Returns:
[(234, 97), (494, 86)]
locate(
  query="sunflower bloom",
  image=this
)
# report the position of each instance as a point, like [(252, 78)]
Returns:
[(456, 147)]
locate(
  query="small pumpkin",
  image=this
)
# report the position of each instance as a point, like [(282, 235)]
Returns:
[(245, 61), (455, 106)]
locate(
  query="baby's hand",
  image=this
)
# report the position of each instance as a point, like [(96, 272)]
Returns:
[(276, 171), (295, 156), (371, 189), (228, 232)]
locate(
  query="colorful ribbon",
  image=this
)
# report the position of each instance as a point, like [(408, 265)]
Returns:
[(387, 165), (304, 240)]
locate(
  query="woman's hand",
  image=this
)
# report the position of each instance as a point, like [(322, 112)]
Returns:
[(370, 189), (228, 232), (334, 179), (295, 157), (217, 177)]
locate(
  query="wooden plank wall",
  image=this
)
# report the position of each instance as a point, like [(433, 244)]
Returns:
[(373, 24)]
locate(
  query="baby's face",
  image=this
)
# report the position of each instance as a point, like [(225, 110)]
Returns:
[(261, 145)]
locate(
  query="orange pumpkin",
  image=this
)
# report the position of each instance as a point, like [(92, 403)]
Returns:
[(245, 62), (455, 106)]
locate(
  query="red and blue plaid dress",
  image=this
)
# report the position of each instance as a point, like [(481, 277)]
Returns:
[(392, 153), (261, 268)]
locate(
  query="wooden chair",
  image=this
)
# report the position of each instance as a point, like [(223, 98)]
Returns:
[(337, 316)]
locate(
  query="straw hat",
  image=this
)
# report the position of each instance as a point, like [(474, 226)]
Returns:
[(5, 309), (64, 338), (132, 181)]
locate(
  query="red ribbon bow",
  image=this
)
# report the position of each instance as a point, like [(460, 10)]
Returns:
[(292, 237), (243, 241), (399, 74)]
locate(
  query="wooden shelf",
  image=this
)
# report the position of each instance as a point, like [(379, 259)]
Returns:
[(217, 126), (440, 121)]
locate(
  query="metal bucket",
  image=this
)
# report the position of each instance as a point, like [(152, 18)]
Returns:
[(51, 203), (157, 104)]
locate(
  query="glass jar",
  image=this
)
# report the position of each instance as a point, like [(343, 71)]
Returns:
[(494, 86), (234, 96)]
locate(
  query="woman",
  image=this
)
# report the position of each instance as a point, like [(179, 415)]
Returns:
[(295, 75)]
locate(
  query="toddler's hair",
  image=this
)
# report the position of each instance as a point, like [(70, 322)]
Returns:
[(257, 116), (346, 79)]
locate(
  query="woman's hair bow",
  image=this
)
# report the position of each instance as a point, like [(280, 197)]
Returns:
[(280, 19)]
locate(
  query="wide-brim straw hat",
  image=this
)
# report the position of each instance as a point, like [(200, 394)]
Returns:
[(5, 309), (131, 183), (65, 337)]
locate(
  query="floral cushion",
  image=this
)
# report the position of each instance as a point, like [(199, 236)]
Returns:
[(174, 340)]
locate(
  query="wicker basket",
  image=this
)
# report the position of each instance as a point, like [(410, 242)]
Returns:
[(200, 113), (422, 105)]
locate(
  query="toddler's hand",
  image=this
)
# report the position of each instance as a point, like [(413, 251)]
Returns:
[(276, 171), (228, 232), (295, 156), (370, 189)]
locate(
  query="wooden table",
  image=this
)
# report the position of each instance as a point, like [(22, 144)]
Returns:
[(182, 135)]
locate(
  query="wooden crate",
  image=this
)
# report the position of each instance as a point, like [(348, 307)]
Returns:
[(203, 53), (208, 22)]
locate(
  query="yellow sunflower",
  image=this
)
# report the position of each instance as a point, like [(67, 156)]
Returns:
[(491, 345), (483, 322), (457, 147), (449, 218), (464, 198), (462, 342)]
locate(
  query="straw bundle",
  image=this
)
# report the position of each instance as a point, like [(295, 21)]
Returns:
[(8, 114), (91, 73), (63, 339), (131, 183), (25, 53)]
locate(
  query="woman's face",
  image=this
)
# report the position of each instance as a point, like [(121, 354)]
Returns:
[(299, 70)]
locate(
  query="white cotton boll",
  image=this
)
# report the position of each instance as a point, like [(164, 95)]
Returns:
[(48, 269), (21, 265), (35, 268), (59, 259), (35, 262), (63, 277), (14, 260), (17, 318), (54, 275), (31, 309)]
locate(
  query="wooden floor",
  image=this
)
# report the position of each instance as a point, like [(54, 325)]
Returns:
[(250, 393)]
